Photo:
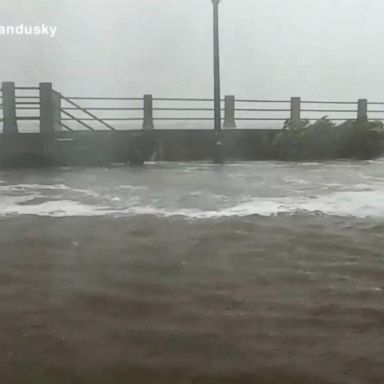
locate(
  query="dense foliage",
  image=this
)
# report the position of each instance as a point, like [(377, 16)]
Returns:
[(325, 140)]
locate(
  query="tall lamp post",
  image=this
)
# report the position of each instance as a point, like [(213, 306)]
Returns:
[(218, 150)]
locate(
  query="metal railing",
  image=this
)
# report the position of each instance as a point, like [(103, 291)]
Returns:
[(234, 111), (27, 99), (51, 109)]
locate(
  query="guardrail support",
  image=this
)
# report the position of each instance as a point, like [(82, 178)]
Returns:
[(47, 113), (148, 113), (9, 108), (229, 112), (362, 110), (295, 111), (56, 104)]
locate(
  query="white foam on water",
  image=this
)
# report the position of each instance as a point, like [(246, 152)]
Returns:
[(133, 187), (294, 180), (360, 202), (31, 189), (61, 208), (26, 187)]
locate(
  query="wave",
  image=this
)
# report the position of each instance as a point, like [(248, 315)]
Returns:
[(362, 204)]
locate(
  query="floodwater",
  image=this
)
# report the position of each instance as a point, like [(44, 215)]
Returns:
[(261, 272)]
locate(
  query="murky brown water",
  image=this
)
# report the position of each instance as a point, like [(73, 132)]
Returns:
[(284, 299)]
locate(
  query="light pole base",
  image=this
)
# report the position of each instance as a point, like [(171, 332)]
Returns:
[(218, 151)]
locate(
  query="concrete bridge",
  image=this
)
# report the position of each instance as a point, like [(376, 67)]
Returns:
[(63, 131)]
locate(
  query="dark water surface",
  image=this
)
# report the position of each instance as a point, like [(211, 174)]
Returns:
[(180, 273)]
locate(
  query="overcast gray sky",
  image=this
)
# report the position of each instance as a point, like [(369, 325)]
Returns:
[(330, 49)]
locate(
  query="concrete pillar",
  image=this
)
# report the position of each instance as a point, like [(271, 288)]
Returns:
[(56, 102), (9, 108), (362, 110), (295, 111), (47, 113), (148, 112), (229, 109)]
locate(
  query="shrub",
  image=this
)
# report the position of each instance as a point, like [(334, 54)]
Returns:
[(324, 140)]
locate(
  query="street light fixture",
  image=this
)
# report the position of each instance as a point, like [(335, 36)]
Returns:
[(218, 155)]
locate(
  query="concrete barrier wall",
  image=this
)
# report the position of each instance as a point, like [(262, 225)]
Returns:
[(104, 147)]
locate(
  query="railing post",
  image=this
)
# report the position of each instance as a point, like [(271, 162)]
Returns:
[(47, 113), (295, 111), (362, 110), (9, 108), (229, 112), (148, 113), (56, 103)]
